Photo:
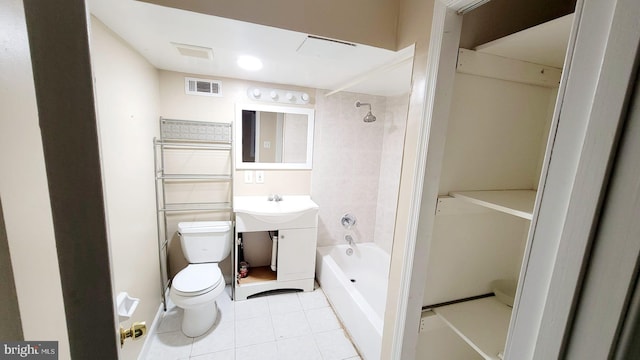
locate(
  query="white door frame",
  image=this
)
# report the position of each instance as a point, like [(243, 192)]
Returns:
[(443, 45), (606, 39), (563, 191)]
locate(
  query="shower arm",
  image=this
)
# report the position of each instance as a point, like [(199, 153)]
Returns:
[(358, 104)]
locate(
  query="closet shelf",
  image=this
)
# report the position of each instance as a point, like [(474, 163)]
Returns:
[(515, 202), (481, 323)]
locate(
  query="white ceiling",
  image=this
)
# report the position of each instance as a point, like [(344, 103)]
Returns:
[(151, 29), (545, 44)]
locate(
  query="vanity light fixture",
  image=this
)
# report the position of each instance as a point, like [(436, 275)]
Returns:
[(250, 63), (278, 95)]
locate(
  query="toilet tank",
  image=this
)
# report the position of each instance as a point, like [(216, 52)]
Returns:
[(205, 241)]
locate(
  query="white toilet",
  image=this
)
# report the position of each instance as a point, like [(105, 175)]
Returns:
[(196, 287)]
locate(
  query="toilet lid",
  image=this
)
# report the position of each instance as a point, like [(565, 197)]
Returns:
[(197, 278)]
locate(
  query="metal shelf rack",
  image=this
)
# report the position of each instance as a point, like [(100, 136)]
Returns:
[(190, 137)]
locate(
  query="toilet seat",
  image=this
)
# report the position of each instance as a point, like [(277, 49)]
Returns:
[(197, 279)]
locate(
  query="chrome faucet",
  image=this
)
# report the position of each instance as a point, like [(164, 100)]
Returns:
[(274, 197), (349, 239)]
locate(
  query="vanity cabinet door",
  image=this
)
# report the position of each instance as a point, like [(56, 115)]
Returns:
[(296, 254)]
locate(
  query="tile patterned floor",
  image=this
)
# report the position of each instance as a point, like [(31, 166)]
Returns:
[(297, 326)]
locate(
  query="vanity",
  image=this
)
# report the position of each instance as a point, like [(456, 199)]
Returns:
[(275, 235), (278, 240)]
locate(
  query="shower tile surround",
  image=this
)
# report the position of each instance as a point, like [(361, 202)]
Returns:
[(279, 327), (356, 166)]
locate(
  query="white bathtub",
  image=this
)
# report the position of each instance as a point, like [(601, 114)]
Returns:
[(356, 286)]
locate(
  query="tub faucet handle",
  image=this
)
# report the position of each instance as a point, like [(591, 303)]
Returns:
[(348, 220)]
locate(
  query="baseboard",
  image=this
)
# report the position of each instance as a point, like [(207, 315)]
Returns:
[(153, 329)]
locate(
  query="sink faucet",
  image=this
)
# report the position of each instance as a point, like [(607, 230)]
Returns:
[(275, 197)]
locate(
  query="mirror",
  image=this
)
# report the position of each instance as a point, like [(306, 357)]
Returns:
[(273, 137)]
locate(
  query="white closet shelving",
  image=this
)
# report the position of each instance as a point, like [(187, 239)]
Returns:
[(496, 135), (194, 177), (481, 323), (514, 202)]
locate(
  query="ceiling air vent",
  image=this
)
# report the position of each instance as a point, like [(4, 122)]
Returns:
[(202, 87)]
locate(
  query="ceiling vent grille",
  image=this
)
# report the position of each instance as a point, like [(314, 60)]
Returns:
[(204, 87)]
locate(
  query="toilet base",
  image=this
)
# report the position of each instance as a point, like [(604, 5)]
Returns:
[(199, 319)]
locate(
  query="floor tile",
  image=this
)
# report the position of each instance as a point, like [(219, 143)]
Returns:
[(300, 326), (313, 299), (284, 303), (254, 331), (265, 351), (290, 325), (170, 346), (334, 345), (171, 320), (323, 319), (220, 337), (247, 309), (226, 308), (300, 348), (220, 355)]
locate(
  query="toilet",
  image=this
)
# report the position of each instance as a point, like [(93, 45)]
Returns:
[(196, 287)]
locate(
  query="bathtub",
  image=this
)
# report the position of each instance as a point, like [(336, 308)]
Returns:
[(356, 287)]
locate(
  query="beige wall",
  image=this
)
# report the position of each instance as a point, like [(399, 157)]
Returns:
[(268, 127), (175, 104), (390, 167), (360, 21), (128, 99), (11, 326), (415, 18), (356, 166), (346, 166), (294, 138), (24, 191)]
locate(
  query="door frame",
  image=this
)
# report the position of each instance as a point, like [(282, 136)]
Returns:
[(64, 88), (557, 248)]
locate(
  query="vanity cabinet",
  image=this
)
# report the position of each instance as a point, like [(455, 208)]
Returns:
[(278, 241), (296, 254)]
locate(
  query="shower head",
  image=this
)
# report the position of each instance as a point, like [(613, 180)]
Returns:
[(369, 117)]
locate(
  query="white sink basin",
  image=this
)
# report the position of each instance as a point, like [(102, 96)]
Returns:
[(288, 209)]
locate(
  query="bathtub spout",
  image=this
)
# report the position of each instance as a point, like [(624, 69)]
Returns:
[(349, 239)]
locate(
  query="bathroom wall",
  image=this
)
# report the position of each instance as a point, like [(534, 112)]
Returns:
[(175, 104), (414, 27), (390, 167), (349, 158), (11, 326), (24, 190), (128, 101)]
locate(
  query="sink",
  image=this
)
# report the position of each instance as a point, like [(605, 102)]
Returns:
[(289, 208)]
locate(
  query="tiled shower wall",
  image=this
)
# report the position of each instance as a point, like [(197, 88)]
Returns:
[(356, 166), (390, 167)]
